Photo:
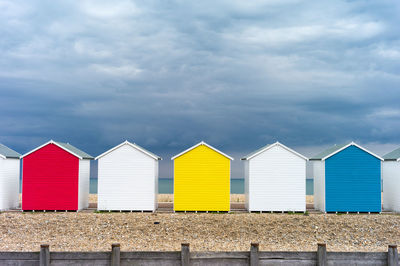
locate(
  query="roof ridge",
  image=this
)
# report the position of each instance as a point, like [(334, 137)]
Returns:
[(8, 152), (327, 151), (393, 155), (74, 150), (199, 144)]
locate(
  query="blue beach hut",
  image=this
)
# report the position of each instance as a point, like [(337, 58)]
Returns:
[(347, 178)]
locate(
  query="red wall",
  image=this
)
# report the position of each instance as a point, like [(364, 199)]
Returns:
[(50, 180)]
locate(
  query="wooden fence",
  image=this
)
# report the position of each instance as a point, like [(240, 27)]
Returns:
[(185, 257)]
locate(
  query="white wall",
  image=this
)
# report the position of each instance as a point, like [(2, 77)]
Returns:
[(319, 185), (126, 180), (9, 183), (246, 184), (84, 183), (277, 181), (155, 184), (391, 185)]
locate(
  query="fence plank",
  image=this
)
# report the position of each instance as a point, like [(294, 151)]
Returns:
[(254, 256), (185, 254), (237, 255), (321, 255), (288, 255), (115, 255), (393, 256), (44, 257), (185, 257)]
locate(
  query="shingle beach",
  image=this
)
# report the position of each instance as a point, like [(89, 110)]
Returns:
[(90, 231)]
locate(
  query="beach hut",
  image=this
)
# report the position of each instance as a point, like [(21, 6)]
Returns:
[(127, 179), (55, 176), (275, 179), (202, 179), (391, 181), (347, 178), (9, 178)]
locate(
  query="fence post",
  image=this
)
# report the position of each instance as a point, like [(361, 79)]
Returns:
[(254, 259), (185, 254), (115, 254), (44, 258), (393, 256), (321, 255)]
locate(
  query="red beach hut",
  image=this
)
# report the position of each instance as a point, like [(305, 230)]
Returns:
[(55, 176)]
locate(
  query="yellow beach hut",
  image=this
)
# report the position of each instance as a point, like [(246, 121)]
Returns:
[(202, 179)]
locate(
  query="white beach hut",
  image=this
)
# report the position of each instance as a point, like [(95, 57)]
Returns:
[(391, 181), (127, 179), (9, 178), (275, 179)]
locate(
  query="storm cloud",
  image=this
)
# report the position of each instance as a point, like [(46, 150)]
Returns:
[(168, 74)]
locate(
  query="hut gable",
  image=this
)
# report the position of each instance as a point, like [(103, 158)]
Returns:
[(349, 180), (55, 177), (66, 147), (202, 179), (275, 177), (127, 178), (338, 148)]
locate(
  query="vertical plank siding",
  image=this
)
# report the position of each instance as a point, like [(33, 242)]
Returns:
[(9, 183), (84, 180), (319, 185), (391, 185), (246, 184)]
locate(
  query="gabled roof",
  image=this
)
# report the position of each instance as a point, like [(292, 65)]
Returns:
[(328, 151), (198, 144), (65, 146), (6, 152), (133, 145), (269, 146), (392, 156), (338, 148)]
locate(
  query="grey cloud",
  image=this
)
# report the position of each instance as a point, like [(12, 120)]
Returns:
[(167, 75)]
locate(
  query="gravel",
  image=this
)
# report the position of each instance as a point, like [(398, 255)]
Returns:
[(204, 231), (92, 231)]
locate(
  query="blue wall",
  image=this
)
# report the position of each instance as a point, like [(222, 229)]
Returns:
[(353, 182)]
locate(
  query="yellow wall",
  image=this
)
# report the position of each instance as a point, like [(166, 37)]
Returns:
[(202, 181)]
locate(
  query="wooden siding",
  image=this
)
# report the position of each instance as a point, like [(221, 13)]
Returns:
[(9, 183), (84, 180), (319, 185), (202, 181), (50, 180), (353, 182), (277, 181), (246, 184), (127, 180), (391, 186), (155, 184)]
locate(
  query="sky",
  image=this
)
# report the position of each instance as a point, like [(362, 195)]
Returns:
[(169, 74)]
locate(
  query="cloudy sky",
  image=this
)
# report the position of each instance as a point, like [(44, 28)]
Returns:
[(168, 74)]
